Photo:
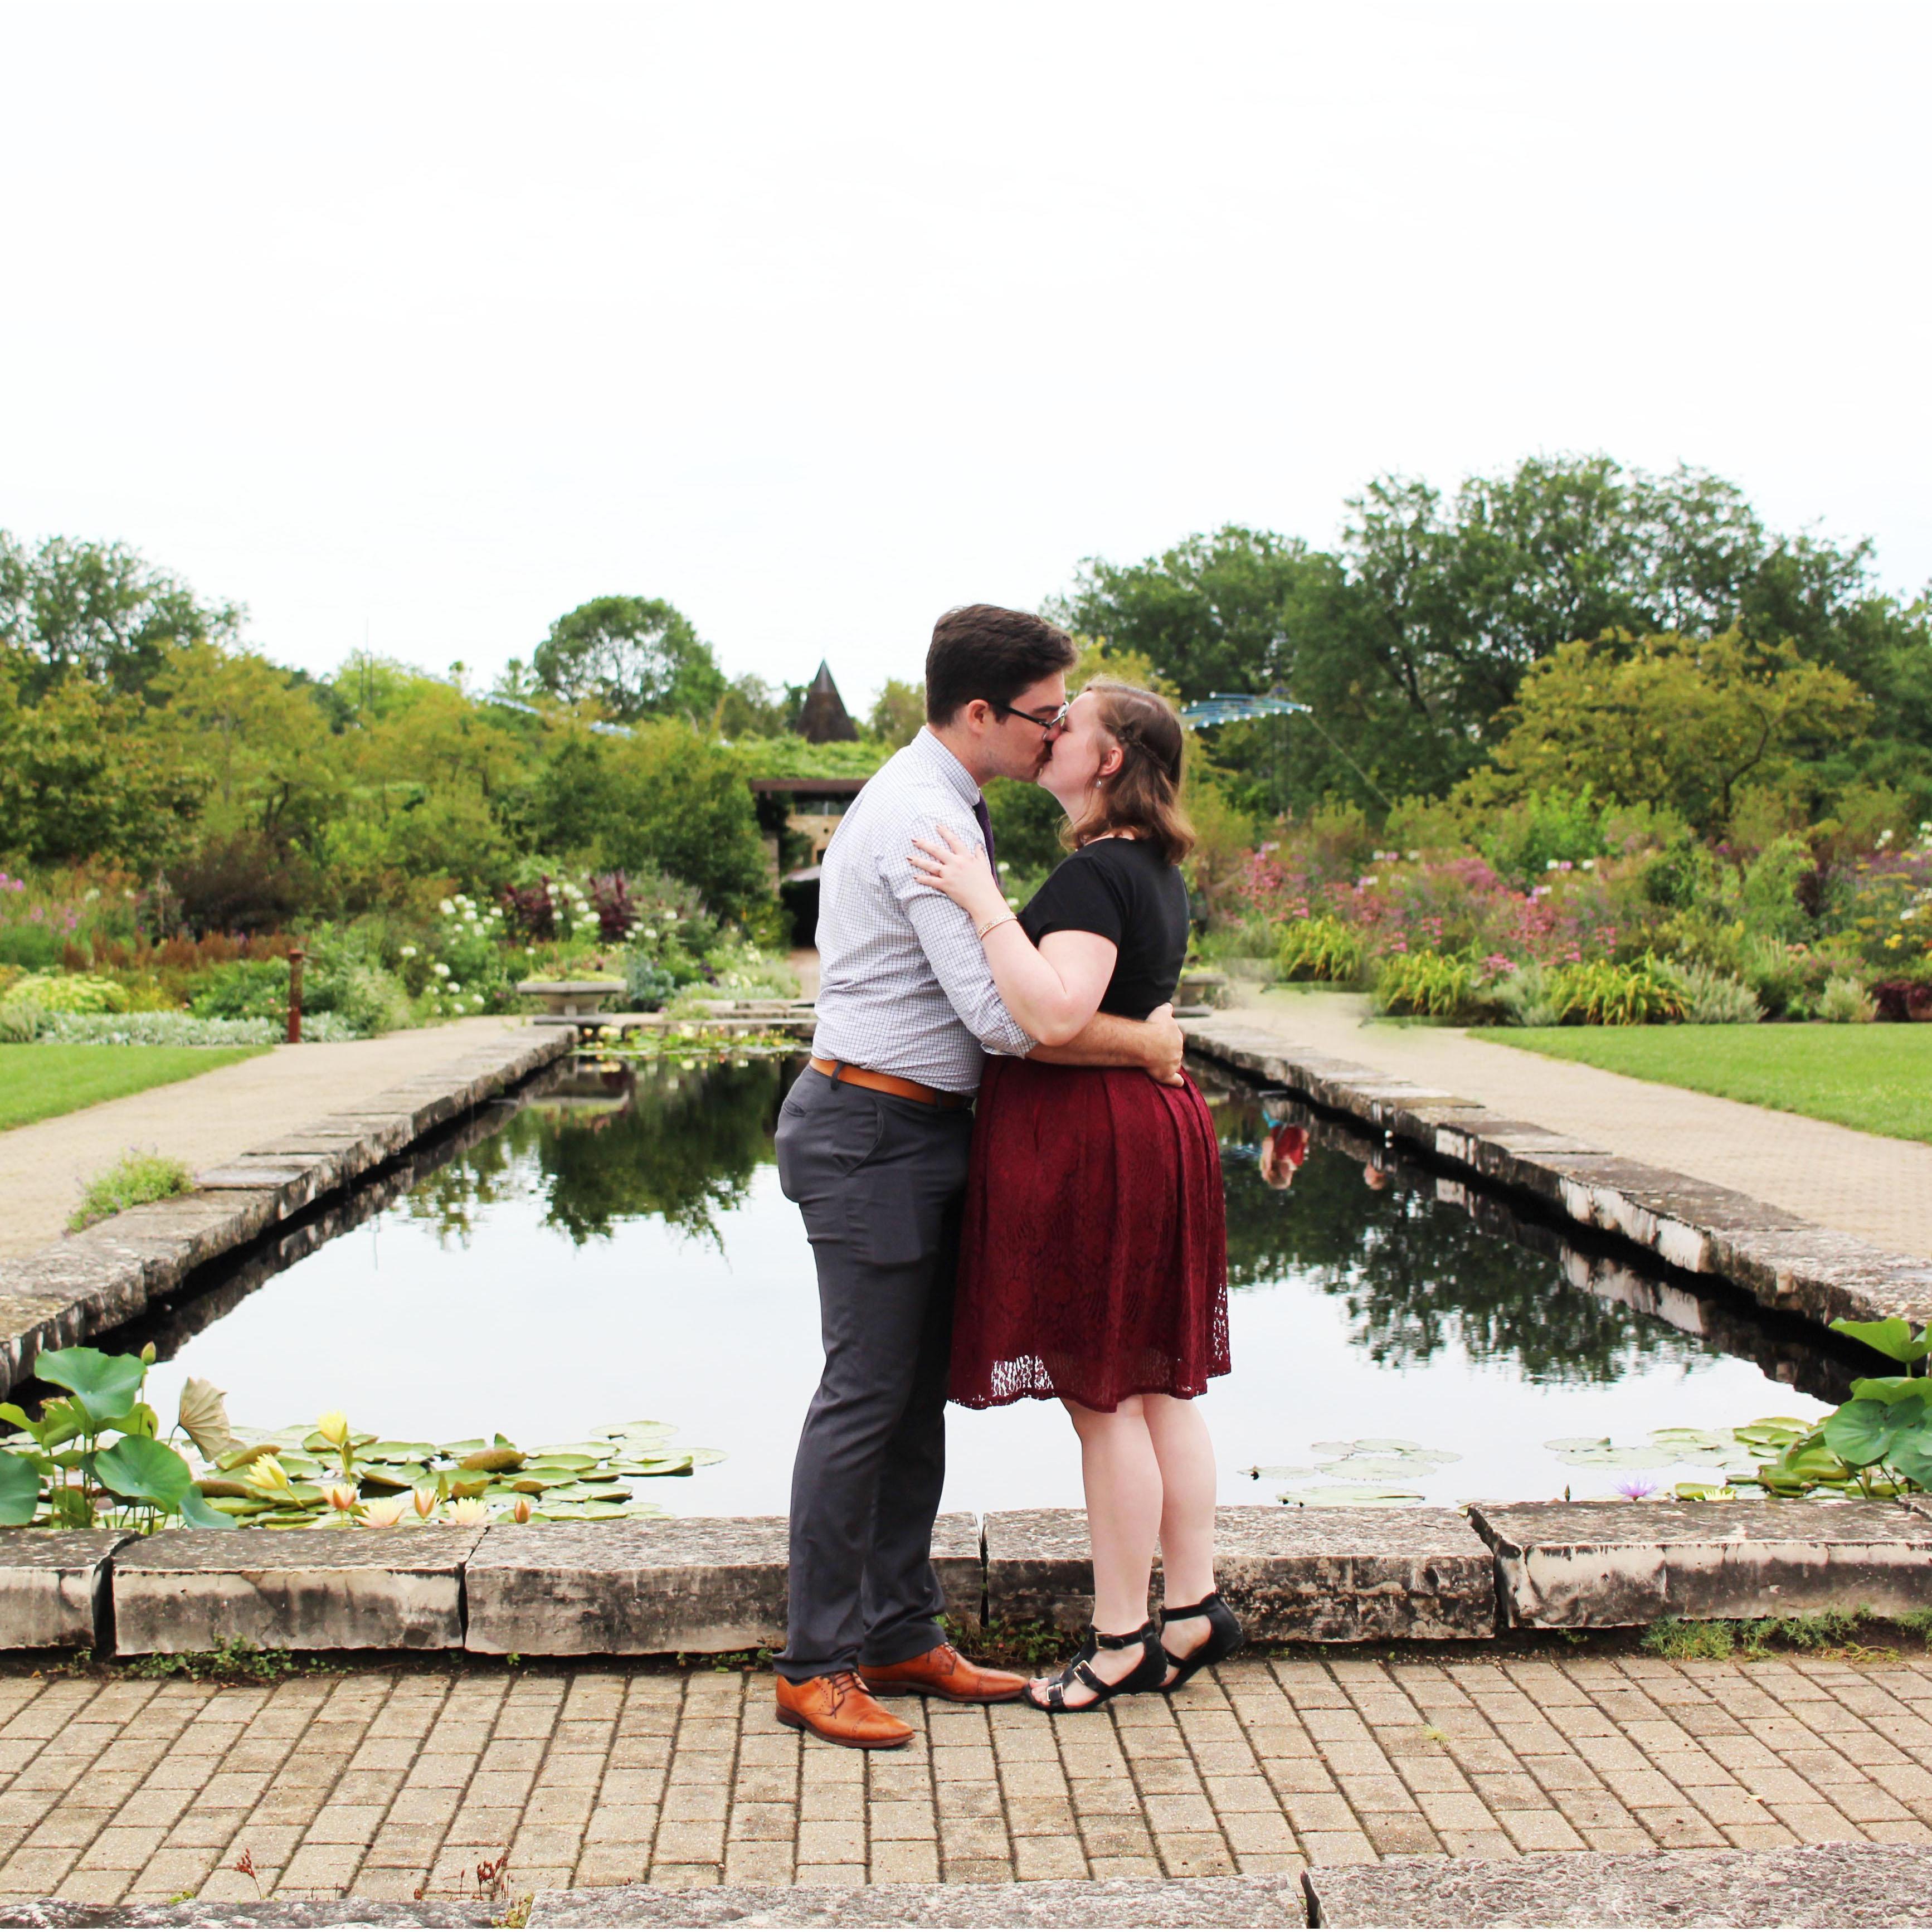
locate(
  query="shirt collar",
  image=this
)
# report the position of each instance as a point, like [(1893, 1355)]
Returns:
[(942, 762)]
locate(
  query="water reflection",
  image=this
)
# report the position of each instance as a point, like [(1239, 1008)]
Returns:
[(1416, 1279), (603, 1144)]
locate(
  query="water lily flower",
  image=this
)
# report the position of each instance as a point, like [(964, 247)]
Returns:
[(268, 1473), (520, 1510), (424, 1501), (385, 1512), (341, 1496), (332, 1426), (469, 1513)]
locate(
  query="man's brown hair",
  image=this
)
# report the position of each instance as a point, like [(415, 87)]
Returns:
[(1143, 796), (980, 650)]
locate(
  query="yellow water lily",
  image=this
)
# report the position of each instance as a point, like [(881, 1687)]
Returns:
[(520, 1510), (333, 1426), (384, 1512), (470, 1513), (424, 1501), (342, 1496), (265, 1471)]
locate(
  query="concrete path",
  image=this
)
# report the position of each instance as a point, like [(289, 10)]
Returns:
[(207, 1120), (378, 1783), (1862, 1184)]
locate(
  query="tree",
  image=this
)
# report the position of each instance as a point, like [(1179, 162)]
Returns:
[(667, 796), (897, 712), (80, 779), (1668, 721), (97, 610), (635, 657), (753, 709)]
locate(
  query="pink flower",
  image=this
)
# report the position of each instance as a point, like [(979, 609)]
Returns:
[(1634, 1489)]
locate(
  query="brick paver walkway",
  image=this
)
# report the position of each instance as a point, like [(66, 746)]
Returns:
[(1864, 1184), (207, 1120), (376, 1783)]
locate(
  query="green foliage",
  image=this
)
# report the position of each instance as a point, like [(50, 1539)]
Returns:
[(897, 712), (1669, 722), (1321, 948), (1846, 1001), (234, 1660), (1435, 986), (68, 993), (636, 657), (133, 1181), (792, 756), (1597, 993), (1710, 998), (244, 989), (1525, 840), (1719, 1638)]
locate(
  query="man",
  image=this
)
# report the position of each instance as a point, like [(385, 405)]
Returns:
[(872, 1144)]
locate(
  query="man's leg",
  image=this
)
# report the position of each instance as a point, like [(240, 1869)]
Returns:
[(903, 1598), (874, 1181)]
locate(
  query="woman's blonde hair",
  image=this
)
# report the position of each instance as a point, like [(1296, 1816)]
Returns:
[(1143, 795)]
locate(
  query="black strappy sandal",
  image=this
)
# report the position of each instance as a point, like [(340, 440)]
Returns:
[(1145, 1676), (1225, 1636)]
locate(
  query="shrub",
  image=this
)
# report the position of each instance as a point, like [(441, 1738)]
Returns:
[(1542, 830), (647, 985), (134, 1180), (182, 1030), (1528, 998), (1432, 985), (243, 989), (1597, 993), (1844, 1000), (67, 993), (1322, 948), (1710, 998), (21, 1021)]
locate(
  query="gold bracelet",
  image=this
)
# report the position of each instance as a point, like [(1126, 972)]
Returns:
[(993, 925)]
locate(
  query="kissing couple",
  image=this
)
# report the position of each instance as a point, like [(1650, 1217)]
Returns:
[(1064, 1240)]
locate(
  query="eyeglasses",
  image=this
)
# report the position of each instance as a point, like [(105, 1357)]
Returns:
[(1051, 722)]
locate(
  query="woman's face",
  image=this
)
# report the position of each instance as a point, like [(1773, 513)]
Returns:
[(1082, 754)]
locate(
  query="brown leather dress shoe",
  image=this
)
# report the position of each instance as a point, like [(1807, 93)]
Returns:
[(838, 1708), (942, 1672)]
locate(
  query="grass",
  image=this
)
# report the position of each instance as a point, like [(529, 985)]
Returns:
[(1878, 1079), (1830, 1633), (134, 1180), (37, 1082)]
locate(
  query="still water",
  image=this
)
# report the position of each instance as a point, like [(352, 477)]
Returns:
[(615, 1246)]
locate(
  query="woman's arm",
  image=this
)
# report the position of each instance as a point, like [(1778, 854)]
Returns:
[(1053, 989)]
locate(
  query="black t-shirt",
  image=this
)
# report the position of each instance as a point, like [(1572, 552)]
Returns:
[(1123, 889)]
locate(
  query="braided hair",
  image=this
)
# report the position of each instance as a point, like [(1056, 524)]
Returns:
[(1143, 796)]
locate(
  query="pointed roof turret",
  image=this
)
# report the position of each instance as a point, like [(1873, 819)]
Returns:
[(824, 717)]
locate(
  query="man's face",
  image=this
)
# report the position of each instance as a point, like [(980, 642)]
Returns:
[(1020, 745)]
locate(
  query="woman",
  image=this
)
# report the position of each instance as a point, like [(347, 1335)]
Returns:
[(1094, 1260)]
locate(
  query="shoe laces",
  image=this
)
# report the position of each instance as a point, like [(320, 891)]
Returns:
[(841, 1684)]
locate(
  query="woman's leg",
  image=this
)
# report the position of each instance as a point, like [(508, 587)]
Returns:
[(1185, 1454), (1123, 1517)]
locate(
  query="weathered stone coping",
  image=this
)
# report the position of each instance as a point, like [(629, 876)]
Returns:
[(1783, 1260), (1799, 1884), (89, 1283), (704, 1585), (1573, 1566)]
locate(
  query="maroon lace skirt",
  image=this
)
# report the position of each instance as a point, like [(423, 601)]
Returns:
[(1094, 1260)]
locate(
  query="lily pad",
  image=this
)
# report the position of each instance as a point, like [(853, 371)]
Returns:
[(1341, 1496), (1372, 1469), (399, 1452)]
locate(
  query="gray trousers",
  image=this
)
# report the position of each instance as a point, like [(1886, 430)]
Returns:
[(879, 1182)]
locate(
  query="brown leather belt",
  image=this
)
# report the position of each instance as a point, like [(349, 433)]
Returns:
[(889, 1083)]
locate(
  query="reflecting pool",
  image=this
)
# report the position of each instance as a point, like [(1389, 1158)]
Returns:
[(613, 1245)]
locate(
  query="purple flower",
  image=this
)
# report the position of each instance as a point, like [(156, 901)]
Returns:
[(1634, 1489)]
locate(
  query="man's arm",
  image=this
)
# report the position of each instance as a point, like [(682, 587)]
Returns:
[(1155, 1044)]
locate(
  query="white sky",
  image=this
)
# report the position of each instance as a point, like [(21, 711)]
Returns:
[(431, 321)]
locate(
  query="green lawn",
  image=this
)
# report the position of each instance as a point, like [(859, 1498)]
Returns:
[(1877, 1078), (37, 1082)]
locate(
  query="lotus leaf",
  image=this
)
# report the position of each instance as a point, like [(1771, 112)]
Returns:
[(141, 1470), (581, 1455), (589, 1492), (20, 1489), (1892, 1336), (224, 1485), (584, 1512), (105, 1386), (1705, 1492), (1391, 1444), (1610, 1457), (1887, 1388), (252, 1452), (392, 1477), (669, 1465), (462, 1488), (703, 1458), (399, 1452), (1371, 1469), (1864, 1431), (1912, 1457), (455, 1451), (1345, 1496), (494, 1460)]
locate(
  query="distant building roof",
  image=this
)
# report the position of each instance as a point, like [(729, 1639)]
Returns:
[(824, 717)]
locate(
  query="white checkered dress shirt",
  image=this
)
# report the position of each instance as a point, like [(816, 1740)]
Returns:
[(903, 987)]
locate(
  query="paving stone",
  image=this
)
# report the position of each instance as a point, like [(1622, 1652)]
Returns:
[(1808, 1885), (1336, 1576), (186, 1590), (54, 1586), (1578, 1565), (684, 1583)]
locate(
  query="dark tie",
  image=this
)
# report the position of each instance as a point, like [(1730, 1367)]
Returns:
[(986, 819)]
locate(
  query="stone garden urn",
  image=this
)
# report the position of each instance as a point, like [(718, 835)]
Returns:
[(570, 999)]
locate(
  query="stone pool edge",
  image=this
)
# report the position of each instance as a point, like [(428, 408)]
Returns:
[(698, 1586), (79, 1287), (1782, 1260)]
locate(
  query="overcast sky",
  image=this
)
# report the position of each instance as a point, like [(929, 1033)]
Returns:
[(425, 322)]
